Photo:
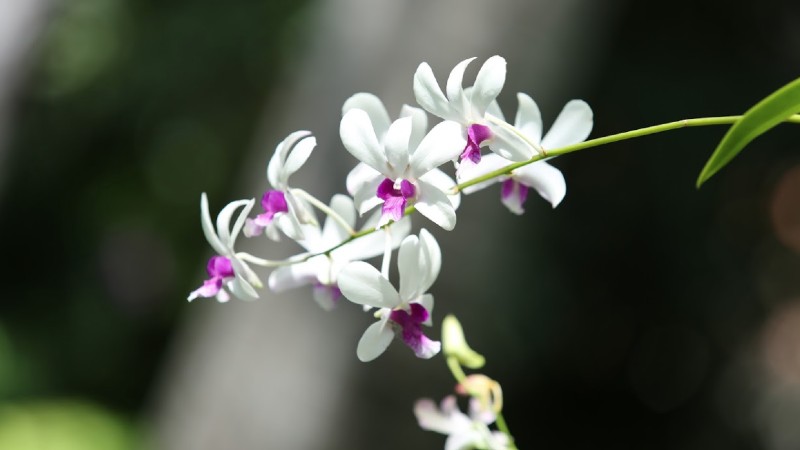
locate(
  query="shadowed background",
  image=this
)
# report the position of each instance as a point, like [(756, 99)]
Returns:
[(640, 314)]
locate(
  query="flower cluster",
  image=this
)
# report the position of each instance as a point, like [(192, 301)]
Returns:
[(401, 167)]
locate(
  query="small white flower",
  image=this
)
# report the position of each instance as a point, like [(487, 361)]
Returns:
[(463, 431), (282, 209), (402, 313), (227, 268), (400, 161), (321, 271), (470, 107), (572, 125)]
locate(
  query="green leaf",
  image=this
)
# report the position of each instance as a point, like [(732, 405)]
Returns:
[(769, 112)]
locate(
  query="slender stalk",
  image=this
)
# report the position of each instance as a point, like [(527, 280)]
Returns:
[(544, 153), (325, 209)]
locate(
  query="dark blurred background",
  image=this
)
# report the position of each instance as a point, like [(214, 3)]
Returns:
[(640, 314)]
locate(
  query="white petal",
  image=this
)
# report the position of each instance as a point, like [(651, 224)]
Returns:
[(332, 231), (293, 276), (428, 93), (419, 125), (374, 108), (374, 341), (488, 83), (243, 271), (464, 439), (443, 143), (325, 297), (547, 180), (430, 418), (359, 139), (435, 205), (242, 289), (409, 265), (433, 261), (363, 284), (366, 196), (494, 110), (208, 227), (240, 221), (455, 81), (509, 144), (513, 200), (275, 165), (529, 118), (443, 181), (297, 157), (372, 245), (224, 221), (288, 224), (489, 163), (427, 301), (572, 125), (396, 146), (361, 174)]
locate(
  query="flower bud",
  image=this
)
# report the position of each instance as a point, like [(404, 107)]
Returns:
[(454, 344)]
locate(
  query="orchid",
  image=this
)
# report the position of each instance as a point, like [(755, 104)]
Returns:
[(400, 313), (282, 208), (463, 431), (471, 108), (399, 170), (572, 125), (227, 269), (399, 161), (322, 269)]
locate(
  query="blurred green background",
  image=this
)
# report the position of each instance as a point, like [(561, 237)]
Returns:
[(653, 316)]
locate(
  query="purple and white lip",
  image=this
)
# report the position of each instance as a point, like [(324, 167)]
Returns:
[(395, 196)]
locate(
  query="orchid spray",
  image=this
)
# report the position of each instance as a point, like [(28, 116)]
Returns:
[(402, 167)]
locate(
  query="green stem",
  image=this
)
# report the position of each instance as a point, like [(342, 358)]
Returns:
[(679, 124), (455, 369), (544, 153)]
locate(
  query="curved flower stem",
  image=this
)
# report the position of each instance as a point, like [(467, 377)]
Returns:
[(699, 122), (325, 209), (544, 153)]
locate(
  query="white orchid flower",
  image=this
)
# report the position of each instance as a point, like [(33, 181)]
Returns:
[(321, 271), (463, 431), (226, 269), (282, 209), (470, 107), (400, 161), (572, 125), (400, 312)]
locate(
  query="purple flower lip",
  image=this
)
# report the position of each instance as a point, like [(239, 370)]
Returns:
[(476, 135), (273, 202), (219, 269), (411, 330), (394, 199)]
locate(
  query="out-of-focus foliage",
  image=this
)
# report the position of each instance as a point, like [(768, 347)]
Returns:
[(63, 425)]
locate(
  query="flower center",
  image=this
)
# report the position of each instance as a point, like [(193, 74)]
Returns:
[(411, 330), (220, 267), (273, 203), (395, 195), (476, 134)]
